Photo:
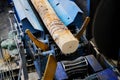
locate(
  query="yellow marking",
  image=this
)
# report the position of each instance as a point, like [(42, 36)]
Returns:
[(6, 55), (37, 42), (50, 68), (85, 23)]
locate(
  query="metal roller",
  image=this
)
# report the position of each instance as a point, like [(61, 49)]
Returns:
[(105, 28), (79, 65)]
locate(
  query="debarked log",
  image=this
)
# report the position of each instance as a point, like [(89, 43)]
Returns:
[(59, 32)]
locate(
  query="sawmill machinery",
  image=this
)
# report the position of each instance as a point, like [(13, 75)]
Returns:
[(53, 39)]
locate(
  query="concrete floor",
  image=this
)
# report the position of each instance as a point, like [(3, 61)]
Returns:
[(4, 23)]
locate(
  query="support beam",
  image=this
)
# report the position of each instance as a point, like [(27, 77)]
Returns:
[(37, 42), (50, 69), (59, 32), (83, 28)]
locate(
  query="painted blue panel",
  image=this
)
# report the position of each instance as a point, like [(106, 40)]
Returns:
[(107, 74), (24, 10), (60, 72), (38, 68), (67, 11), (88, 7), (26, 25)]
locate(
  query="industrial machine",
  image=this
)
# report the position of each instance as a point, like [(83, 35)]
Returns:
[(50, 37)]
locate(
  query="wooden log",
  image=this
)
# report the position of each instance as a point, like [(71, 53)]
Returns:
[(59, 32)]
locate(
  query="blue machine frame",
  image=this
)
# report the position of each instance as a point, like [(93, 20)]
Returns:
[(27, 17), (69, 13)]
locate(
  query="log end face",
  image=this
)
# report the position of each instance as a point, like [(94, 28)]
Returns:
[(70, 46)]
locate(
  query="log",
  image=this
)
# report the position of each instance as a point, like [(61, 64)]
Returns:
[(59, 32)]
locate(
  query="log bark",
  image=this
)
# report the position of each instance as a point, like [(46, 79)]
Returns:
[(59, 32)]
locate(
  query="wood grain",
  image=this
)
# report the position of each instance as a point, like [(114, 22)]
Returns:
[(59, 32)]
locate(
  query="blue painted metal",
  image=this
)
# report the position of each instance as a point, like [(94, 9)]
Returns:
[(107, 74), (51, 51), (60, 72), (68, 12), (26, 16), (94, 63), (88, 7), (38, 68)]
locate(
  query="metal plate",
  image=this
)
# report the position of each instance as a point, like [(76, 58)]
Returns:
[(105, 28)]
